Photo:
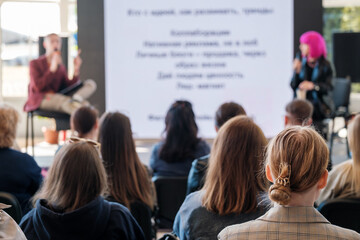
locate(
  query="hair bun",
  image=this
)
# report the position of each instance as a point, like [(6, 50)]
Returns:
[(280, 193)]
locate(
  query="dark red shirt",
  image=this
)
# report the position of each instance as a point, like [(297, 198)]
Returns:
[(43, 81)]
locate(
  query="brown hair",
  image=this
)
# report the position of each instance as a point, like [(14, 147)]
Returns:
[(8, 124), (299, 111), (128, 178), (227, 111), (235, 175), (76, 177), (84, 119), (354, 142), (297, 157)]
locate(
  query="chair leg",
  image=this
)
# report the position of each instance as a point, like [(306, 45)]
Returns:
[(332, 137), (32, 135), (27, 132), (63, 135)]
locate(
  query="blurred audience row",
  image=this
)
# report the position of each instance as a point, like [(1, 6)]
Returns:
[(97, 187)]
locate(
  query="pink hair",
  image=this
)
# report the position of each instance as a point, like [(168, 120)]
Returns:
[(317, 45)]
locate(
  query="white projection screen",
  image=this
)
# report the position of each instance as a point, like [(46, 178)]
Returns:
[(206, 51)]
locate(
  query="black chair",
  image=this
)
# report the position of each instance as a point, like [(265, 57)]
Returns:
[(142, 213), (15, 210), (171, 192), (62, 123), (341, 99), (342, 212)]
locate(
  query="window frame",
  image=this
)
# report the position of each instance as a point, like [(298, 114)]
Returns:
[(64, 13)]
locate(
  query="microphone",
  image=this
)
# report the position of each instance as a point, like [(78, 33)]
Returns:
[(56, 51)]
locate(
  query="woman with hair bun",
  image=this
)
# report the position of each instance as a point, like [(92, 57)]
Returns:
[(296, 161)]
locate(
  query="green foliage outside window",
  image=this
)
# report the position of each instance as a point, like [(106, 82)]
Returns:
[(345, 19)]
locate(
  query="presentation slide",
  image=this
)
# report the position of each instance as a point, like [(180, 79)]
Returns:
[(206, 51)]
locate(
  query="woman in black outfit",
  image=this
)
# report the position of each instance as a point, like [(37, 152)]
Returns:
[(313, 77)]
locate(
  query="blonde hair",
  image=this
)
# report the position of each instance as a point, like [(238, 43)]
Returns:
[(235, 175), (8, 124), (354, 143), (76, 177), (297, 157)]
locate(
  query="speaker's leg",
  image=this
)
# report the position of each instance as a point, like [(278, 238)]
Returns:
[(332, 136)]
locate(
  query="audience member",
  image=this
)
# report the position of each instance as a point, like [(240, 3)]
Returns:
[(84, 122), (344, 179), (233, 185), (199, 166), (69, 204), (9, 229), (19, 173), (173, 156), (296, 163), (129, 180), (49, 80), (298, 112)]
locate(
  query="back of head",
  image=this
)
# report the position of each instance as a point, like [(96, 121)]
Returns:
[(76, 177), (297, 157), (128, 178), (354, 143), (8, 124), (83, 120), (227, 111), (235, 175), (299, 112), (115, 136), (181, 133)]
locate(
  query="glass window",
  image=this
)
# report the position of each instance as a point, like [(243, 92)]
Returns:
[(72, 28), (339, 18), (22, 23)]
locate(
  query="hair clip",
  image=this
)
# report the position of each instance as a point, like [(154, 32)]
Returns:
[(283, 181)]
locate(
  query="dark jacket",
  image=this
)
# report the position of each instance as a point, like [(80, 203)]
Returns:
[(163, 168), (321, 76), (19, 175), (197, 172), (99, 219), (193, 221)]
